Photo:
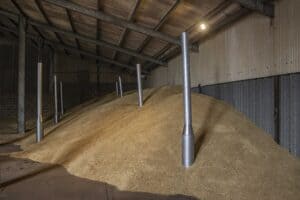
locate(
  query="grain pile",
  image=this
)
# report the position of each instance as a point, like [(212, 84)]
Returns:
[(139, 149)]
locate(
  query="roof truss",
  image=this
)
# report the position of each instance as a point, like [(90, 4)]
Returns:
[(226, 10), (262, 6), (73, 49)]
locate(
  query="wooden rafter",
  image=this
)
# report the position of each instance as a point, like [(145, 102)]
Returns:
[(125, 30), (41, 8), (98, 32), (84, 38), (168, 50), (261, 6), (164, 55), (220, 17), (74, 30), (13, 34), (74, 49), (94, 41), (157, 27), (113, 20), (25, 15), (164, 52)]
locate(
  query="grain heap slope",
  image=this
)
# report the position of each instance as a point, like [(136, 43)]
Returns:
[(139, 149)]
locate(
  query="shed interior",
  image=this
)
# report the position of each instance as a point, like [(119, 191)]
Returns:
[(149, 99)]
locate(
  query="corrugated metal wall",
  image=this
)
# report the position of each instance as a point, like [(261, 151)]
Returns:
[(9, 80), (256, 99), (157, 78), (290, 113), (254, 47), (79, 78), (287, 36)]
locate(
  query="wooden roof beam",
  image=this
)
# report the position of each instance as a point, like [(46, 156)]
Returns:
[(125, 31), (159, 54), (26, 17), (74, 49), (168, 48), (164, 55), (97, 42), (74, 30), (13, 34), (261, 6), (85, 38), (13, 16), (114, 20), (157, 27), (100, 58), (98, 36), (40, 6)]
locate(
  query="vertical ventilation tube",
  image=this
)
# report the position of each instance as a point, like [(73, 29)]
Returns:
[(188, 135)]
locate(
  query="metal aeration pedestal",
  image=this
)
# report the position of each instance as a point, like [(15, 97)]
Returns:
[(139, 83), (188, 143), (39, 123)]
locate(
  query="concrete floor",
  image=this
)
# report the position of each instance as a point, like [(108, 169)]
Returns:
[(27, 179)]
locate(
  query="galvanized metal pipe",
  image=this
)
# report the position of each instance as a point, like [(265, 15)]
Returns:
[(188, 144), (120, 87), (21, 76), (55, 100), (139, 82), (39, 123), (61, 99), (117, 88)]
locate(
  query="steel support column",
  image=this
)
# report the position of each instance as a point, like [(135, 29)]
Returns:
[(188, 144), (21, 76), (117, 88), (55, 100), (139, 83), (61, 99), (120, 87), (39, 123)]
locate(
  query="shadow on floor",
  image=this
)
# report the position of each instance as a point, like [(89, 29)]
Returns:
[(9, 148), (26, 179)]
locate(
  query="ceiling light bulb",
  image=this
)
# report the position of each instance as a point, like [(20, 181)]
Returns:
[(203, 26)]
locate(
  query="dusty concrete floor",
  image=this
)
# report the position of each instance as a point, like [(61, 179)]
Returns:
[(139, 149), (26, 179)]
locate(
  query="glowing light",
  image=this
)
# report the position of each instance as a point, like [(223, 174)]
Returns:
[(203, 26)]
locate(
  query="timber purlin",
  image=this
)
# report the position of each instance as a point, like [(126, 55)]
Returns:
[(144, 27)]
